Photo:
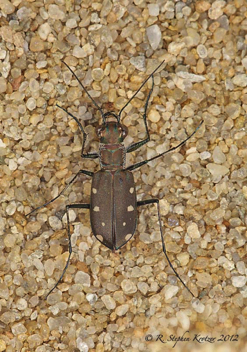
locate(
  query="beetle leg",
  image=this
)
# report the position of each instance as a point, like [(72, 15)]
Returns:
[(137, 145), (156, 201), (70, 206), (135, 166), (138, 90), (85, 172), (90, 155)]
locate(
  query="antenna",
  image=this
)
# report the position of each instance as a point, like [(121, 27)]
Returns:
[(97, 106)]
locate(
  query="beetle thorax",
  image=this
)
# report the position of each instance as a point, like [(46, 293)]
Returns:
[(112, 156)]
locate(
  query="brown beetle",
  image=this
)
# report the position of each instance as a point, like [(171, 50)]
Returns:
[(113, 205)]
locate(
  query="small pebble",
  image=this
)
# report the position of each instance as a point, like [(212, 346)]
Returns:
[(79, 52), (81, 345), (205, 155), (18, 329), (82, 278), (55, 12), (191, 77), (31, 104), (23, 13), (21, 304), (48, 87), (143, 287), (241, 267), (7, 7), (34, 85), (108, 302), (3, 85), (233, 110), (106, 8), (170, 291), (218, 156), (226, 263), (202, 51), (198, 306), (44, 30), (122, 310), (153, 9), (36, 44), (217, 214), (239, 281), (240, 80), (200, 263), (217, 170), (183, 258), (121, 69), (185, 169), (183, 320), (128, 287), (193, 231), (216, 10), (4, 291), (2, 345), (154, 36), (9, 240), (11, 208), (12, 165), (91, 298), (174, 48), (71, 23), (49, 267), (154, 116), (55, 223), (202, 6), (204, 279), (97, 74)]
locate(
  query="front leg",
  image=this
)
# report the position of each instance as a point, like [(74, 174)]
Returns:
[(85, 172), (90, 155), (135, 166)]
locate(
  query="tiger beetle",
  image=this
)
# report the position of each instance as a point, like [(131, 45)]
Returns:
[(113, 204)]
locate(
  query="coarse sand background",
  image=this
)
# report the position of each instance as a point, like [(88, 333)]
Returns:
[(123, 301)]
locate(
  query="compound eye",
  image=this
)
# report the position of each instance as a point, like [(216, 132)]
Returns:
[(124, 131), (99, 131)]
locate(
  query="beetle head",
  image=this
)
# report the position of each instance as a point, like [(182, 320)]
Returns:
[(112, 132)]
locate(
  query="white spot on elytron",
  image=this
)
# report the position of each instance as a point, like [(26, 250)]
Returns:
[(94, 190), (127, 237), (130, 208), (103, 224), (124, 223), (100, 238), (131, 190), (96, 208)]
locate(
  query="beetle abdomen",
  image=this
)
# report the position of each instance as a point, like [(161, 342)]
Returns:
[(113, 210)]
